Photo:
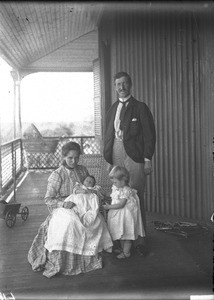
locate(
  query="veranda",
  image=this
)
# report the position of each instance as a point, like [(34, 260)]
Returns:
[(168, 50)]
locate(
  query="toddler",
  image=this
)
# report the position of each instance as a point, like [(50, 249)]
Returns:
[(124, 216)]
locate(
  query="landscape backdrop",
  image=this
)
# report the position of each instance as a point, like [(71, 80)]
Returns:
[(49, 129)]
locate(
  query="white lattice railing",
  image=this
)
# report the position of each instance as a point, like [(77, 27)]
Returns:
[(11, 163), (15, 156), (52, 159)]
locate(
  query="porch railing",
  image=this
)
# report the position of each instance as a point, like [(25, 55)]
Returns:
[(11, 163), (38, 160), (14, 157)]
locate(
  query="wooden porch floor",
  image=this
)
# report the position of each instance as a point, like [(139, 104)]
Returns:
[(174, 269)]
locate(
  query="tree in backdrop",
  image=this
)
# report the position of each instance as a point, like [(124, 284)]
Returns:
[(61, 129), (49, 130)]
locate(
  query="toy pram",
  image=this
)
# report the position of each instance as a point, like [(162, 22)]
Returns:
[(9, 211), (38, 143)]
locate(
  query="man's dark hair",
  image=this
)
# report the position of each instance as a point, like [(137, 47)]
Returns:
[(123, 74)]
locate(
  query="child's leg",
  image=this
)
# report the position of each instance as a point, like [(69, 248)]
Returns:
[(127, 246), (122, 244)]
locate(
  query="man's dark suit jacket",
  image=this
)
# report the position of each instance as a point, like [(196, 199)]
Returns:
[(139, 136)]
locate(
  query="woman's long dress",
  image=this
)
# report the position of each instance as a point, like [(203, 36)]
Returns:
[(60, 185)]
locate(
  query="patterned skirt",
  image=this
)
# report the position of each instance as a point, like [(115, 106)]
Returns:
[(55, 262)]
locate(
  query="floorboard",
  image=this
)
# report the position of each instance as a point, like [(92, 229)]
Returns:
[(175, 267)]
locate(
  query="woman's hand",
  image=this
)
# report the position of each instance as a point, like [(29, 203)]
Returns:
[(80, 190), (69, 205), (106, 206)]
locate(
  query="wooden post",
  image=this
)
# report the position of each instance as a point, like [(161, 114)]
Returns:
[(16, 104), (19, 106)]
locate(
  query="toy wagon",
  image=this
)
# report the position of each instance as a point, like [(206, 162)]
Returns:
[(9, 211)]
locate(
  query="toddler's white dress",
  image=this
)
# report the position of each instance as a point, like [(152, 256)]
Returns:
[(125, 223)]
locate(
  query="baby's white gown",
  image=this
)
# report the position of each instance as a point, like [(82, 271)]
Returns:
[(80, 230), (125, 223)]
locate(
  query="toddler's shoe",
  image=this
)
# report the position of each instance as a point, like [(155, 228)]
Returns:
[(118, 251), (123, 255)]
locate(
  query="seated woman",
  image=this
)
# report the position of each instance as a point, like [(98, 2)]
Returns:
[(79, 255), (83, 217)]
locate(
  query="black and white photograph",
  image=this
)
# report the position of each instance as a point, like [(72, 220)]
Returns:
[(106, 150)]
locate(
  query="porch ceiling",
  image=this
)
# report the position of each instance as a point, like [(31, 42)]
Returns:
[(62, 36), (49, 36)]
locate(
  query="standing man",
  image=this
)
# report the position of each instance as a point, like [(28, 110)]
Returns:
[(129, 140)]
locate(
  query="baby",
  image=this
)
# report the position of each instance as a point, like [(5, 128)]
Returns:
[(88, 186), (86, 197)]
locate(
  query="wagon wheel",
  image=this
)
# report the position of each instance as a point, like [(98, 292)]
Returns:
[(10, 218), (24, 213)]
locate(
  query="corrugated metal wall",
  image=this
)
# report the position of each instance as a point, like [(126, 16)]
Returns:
[(206, 133), (161, 52)]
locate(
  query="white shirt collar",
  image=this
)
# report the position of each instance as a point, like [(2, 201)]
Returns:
[(124, 99)]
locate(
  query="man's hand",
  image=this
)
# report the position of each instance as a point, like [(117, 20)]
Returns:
[(148, 167)]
